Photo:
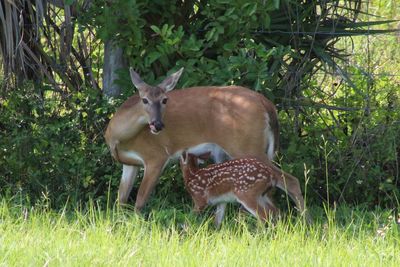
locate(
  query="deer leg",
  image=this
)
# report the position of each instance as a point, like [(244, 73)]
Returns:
[(268, 203), (219, 156), (253, 206), (150, 179), (219, 214), (125, 186), (113, 149)]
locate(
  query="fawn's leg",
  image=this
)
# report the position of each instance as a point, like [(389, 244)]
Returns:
[(253, 206), (219, 157), (219, 214)]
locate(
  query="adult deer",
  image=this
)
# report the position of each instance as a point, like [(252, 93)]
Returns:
[(244, 180), (156, 124)]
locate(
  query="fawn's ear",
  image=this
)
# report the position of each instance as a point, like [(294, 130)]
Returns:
[(184, 157)]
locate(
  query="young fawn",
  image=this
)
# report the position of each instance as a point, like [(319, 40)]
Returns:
[(243, 180)]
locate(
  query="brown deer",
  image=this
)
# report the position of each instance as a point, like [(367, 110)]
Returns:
[(157, 124), (244, 180)]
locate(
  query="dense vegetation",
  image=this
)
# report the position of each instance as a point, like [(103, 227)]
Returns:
[(339, 119)]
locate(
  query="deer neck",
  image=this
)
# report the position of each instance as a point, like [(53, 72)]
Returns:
[(129, 123), (137, 117), (188, 174)]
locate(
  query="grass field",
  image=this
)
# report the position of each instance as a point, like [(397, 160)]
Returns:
[(345, 237)]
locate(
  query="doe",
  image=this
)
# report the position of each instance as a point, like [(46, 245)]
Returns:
[(244, 180)]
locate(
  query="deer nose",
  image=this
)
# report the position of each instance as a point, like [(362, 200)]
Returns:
[(158, 125)]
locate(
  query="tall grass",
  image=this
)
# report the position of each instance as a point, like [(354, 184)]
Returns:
[(37, 236)]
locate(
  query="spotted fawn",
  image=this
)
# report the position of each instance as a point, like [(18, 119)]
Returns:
[(244, 180)]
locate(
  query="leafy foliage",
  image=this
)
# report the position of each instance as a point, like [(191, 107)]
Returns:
[(51, 143), (54, 149), (269, 46), (351, 148)]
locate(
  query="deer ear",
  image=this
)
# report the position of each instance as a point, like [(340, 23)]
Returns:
[(184, 157), (136, 80), (169, 83)]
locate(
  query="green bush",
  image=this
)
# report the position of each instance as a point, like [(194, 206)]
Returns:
[(54, 149), (52, 146), (268, 46), (352, 155)]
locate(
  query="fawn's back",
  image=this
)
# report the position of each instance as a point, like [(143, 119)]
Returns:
[(235, 176)]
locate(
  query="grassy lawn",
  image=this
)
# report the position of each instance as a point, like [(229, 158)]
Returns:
[(167, 237)]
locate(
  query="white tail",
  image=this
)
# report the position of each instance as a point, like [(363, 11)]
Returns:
[(239, 180), (157, 124)]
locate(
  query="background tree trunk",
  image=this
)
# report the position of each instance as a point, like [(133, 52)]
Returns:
[(113, 60)]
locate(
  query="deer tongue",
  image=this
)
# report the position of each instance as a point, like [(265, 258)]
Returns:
[(153, 129)]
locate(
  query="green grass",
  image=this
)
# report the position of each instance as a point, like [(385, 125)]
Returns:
[(346, 237)]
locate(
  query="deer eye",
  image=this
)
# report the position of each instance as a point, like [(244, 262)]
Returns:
[(145, 100), (164, 101)]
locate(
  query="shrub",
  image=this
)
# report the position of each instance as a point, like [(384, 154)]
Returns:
[(55, 149)]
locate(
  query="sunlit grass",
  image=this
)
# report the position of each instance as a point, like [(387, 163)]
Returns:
[(37, 237)]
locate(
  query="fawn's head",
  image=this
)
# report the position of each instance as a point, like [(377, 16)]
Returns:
[(154, 98)]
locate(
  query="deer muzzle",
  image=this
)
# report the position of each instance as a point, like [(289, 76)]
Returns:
[(156, 126)]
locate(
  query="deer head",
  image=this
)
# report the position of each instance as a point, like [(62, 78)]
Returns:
[(154, 98)]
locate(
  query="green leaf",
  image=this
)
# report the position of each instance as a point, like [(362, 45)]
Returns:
[(164, 30), (276, 4), (210, 34), (229, 46), (266, 21), (249, 9), (230, 11), (155, 29), (153, 56)]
